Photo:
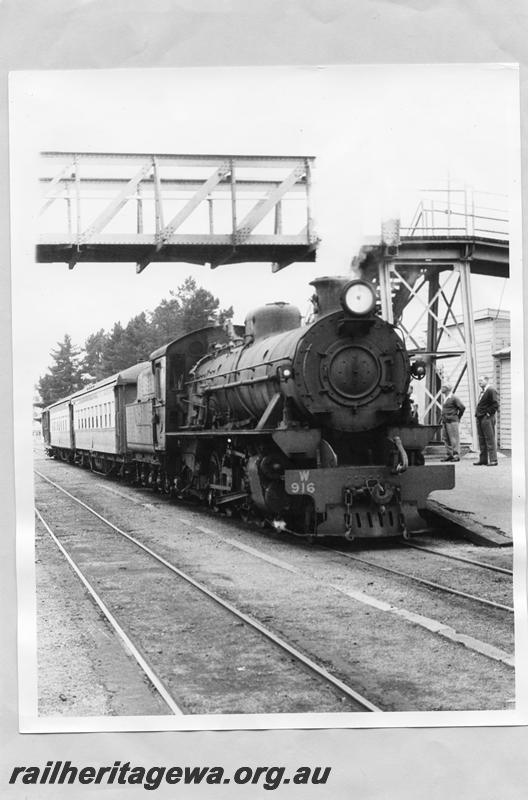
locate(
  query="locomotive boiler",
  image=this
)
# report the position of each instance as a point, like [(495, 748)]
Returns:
[(307, 426)]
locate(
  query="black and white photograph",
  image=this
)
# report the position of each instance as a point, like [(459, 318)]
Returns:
[(268, 397)]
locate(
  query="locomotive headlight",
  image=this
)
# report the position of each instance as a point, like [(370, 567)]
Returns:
[(284, 372), (358, 298)]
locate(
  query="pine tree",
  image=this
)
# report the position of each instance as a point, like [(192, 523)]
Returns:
[(166, 322), (137, 341), (198, 307), (111, 357), (92, 363), (64, 376), (188, 308)]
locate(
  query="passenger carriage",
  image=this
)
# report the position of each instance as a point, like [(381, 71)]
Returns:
[(89, 426)]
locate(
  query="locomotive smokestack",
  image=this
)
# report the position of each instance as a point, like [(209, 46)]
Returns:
[(328, 292)]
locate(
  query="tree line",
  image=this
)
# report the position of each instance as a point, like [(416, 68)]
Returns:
[(104, 353)]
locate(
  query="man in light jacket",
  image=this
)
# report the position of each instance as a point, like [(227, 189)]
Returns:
[(452, 410), (487, 408)]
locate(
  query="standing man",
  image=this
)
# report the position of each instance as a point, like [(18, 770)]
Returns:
[(452, 410), (487, 408)]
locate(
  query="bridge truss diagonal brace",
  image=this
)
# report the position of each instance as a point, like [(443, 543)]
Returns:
[(222, 172), (116, 204), (432, 303), (56, 185), (454, 377), (264, 206)]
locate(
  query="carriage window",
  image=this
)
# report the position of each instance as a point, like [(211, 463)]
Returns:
[(158, 380)]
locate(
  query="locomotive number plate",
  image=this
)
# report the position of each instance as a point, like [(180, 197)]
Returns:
[(301, 484)]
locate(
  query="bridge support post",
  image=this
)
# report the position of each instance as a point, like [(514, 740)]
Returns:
[(464, 268), (431, 375)]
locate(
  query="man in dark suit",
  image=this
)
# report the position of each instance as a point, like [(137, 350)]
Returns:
[(487, 408), (452, 410)]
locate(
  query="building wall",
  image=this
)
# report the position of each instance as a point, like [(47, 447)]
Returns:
[(503, 383)]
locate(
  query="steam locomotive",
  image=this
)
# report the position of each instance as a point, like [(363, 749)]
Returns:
[(309, 427)]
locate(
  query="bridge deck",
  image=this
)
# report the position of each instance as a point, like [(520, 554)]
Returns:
[(484, 255), (115, 207)]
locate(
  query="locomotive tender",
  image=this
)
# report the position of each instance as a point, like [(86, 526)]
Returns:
[(307, 426)]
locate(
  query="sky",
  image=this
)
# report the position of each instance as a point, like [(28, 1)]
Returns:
[(378, 133)]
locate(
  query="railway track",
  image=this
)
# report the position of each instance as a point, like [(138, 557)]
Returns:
[(434, 585), (356, 701), (463, 559), (432, 625), (326, 637), (154, 679), (483, 601), (437, 626)]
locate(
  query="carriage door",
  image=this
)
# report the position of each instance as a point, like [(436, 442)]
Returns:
[(158, 404)]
